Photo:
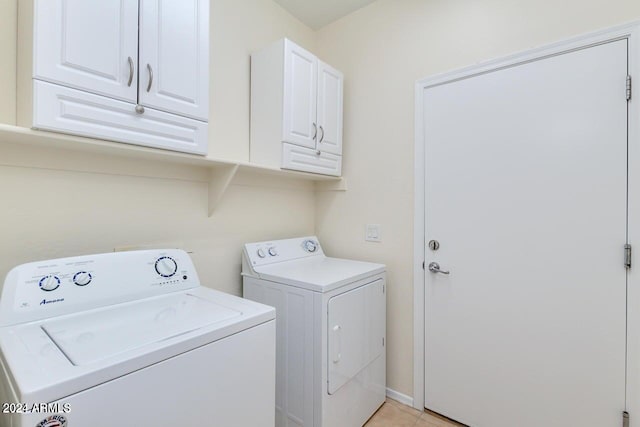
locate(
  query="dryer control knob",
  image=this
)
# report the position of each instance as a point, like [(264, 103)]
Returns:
[(261, 253), (49, 283), (310, 246), (166, 266), (273, 251), (82, 278)]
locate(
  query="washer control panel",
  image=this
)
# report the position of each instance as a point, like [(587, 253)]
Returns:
[(263, 253), (55, 287)]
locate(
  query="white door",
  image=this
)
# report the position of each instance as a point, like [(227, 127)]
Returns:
[(174, 56), (330, 88), (526, 194), (300, 96), (88, 45), (356, 329)]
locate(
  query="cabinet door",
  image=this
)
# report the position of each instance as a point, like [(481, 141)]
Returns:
[(330, 82), (174, 56), (88, 45), (306, 159), (300, 96), (77, 112)]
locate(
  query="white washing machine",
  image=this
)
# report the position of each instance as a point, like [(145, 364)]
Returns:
[(331, 314), (131, 339)]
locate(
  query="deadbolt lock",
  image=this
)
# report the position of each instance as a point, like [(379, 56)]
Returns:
[(434, 245)]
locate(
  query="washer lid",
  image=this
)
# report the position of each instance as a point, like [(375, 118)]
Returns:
[(90, 337), (320, 274), (47, 360)]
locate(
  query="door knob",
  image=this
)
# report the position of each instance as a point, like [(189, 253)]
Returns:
[(434, 267)]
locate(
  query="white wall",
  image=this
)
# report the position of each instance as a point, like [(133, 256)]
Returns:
[(50, 211), (382, 50), (8, 21)]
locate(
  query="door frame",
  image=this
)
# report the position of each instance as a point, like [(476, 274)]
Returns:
[(631, 32)]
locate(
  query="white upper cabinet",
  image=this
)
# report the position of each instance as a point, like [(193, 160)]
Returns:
[(296, 110), (174, 56), (151, 56), (88, 45), (329, 109), (300, 96)]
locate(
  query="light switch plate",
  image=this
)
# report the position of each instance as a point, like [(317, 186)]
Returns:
[(372, 233)]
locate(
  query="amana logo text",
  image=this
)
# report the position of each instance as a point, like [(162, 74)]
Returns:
[(50, 301)]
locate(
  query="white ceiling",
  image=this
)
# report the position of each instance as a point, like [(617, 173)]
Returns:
[(318, 13)]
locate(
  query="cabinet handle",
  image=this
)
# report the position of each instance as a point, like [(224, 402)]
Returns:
[(150, 77), (322, 137), (315, 131), (131, 71)]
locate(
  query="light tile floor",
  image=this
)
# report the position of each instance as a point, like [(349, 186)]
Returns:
[(395, 414)]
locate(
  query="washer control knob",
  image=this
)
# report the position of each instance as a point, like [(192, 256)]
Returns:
[(273, 251), (261, 253), (82, 278), (166, 266), (310, 246), (49, 283)]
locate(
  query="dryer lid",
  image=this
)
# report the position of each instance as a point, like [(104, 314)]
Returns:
[(90, 337), (320, 274)]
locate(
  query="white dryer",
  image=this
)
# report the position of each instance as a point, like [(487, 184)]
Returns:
[(131, 339), (331, 314)]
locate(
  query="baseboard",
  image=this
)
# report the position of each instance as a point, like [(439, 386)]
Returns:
[(399, 397)]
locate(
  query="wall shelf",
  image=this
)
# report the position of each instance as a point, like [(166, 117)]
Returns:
[(20, 146)]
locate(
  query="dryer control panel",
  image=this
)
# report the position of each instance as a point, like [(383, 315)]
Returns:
[(263, 253), (56, 287)]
